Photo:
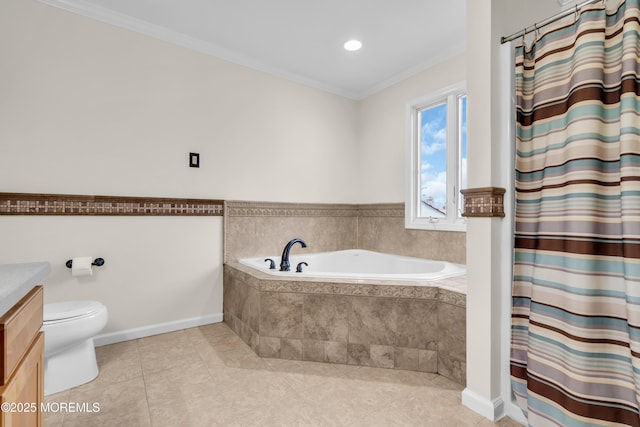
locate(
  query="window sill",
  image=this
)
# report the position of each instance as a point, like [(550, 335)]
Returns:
[(426, 224)]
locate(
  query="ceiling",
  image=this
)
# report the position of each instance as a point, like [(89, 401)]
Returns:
[(301, 39)]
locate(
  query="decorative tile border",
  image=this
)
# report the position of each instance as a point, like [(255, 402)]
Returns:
[(274, 209), (381, 210), (66, 204), (483, 202), (438, 290)]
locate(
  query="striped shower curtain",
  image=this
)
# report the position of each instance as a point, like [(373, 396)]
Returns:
[(575, 335)]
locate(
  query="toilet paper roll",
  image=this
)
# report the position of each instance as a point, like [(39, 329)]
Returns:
[(81, 266)]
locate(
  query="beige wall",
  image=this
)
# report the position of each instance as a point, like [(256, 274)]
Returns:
[(89, 108), (157, 270), (381, 119)]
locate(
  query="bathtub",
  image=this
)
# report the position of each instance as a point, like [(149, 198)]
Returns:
[(360, 264), (352, 307)]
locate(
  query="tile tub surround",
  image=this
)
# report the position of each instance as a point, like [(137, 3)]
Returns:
[(259, 228), (262, 228), (381, 229), (385, 324)]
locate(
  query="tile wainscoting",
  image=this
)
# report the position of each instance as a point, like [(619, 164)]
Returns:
[(263, 228), (397, 325)]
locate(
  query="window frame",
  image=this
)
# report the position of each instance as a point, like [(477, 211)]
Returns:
[(452, 222)]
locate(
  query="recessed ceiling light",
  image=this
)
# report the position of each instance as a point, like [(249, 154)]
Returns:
[(353, 45)]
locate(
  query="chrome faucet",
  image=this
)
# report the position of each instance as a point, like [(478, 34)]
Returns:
[(284, 261)]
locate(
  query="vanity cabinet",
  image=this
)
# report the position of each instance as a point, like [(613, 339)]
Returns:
[(22, 364)]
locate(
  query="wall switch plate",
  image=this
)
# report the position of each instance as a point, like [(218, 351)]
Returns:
[(194, 160)]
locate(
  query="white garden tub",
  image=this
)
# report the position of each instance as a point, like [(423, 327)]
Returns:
[(359, 264)]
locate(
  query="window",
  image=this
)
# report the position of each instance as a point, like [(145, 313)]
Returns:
[(436, 160)]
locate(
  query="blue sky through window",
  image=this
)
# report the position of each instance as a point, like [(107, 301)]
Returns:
[(463, 148), (433, 159)]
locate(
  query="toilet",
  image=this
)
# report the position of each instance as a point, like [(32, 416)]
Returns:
[(69, 352)]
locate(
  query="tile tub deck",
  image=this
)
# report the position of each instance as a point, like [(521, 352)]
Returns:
[(387, 324)]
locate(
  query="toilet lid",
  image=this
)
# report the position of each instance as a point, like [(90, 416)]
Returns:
[(69, 309)]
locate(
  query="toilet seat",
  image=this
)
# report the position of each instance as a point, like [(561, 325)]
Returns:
[(70, 310)]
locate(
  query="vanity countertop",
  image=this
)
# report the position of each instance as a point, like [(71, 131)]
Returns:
[(16, 280)]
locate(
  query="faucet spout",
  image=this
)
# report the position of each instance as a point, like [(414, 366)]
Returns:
[(284, 260)]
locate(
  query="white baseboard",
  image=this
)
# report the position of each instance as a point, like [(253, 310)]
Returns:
[(158, 328), (491, 409)]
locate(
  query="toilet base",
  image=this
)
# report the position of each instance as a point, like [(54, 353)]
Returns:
[(72, 367)]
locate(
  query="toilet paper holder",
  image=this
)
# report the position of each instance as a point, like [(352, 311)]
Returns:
[(98, 262)]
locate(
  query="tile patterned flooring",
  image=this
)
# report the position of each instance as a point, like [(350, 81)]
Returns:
[(207, 376)]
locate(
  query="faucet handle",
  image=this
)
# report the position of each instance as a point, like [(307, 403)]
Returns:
[(272, 263), (299, 266)]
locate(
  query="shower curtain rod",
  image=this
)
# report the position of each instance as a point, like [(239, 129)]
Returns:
[(547, 21)]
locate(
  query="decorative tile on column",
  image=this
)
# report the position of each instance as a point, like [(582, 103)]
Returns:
[(483, 202)]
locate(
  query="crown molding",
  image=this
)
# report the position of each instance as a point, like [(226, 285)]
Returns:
[(126, 22), (432, 61), (174, 37)]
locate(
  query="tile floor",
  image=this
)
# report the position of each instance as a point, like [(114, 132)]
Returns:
[(207, 376)]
